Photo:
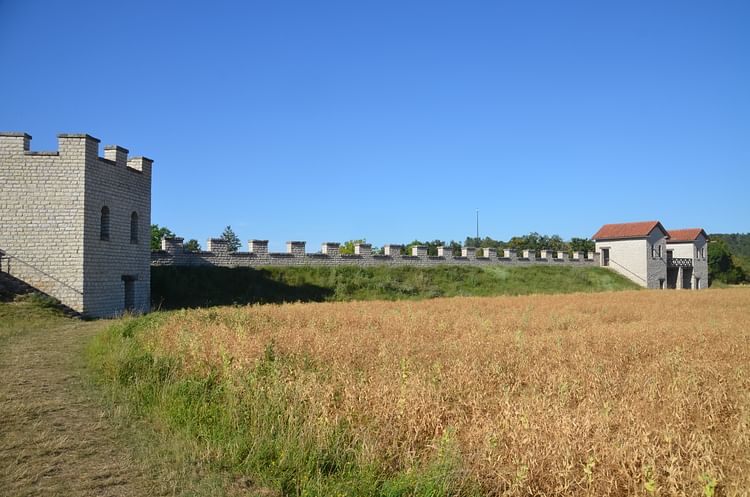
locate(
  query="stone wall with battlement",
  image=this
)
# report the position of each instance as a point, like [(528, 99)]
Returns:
[(218, 254), (50, 222)]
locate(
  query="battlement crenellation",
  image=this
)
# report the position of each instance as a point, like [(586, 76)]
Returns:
[(173, 253), (77, 224), (74, 146)]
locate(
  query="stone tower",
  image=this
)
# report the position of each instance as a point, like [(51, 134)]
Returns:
[(75, 225)]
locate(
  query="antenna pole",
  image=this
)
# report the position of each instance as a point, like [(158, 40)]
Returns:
[(477, 225)]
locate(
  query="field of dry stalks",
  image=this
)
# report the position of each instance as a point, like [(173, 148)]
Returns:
[(628, 393)]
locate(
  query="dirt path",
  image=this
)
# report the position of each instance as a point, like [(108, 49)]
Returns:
[(54, 438)]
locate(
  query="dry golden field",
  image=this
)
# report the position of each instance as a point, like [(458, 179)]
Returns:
[(627, 393)]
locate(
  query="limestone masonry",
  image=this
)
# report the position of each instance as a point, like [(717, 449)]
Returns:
[(173, 254), (75, 225)]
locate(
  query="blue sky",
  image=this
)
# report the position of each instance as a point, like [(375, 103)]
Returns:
[(396, 120)]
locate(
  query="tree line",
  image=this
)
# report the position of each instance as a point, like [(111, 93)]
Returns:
[(729, 258), (532, 241)]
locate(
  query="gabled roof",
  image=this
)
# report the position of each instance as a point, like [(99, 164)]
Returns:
[(628, 230), (686, 235)]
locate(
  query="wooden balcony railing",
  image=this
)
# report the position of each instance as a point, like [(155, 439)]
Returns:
[(680, 262)]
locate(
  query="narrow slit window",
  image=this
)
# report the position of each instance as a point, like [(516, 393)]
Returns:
[(134, 227), (104, 224)]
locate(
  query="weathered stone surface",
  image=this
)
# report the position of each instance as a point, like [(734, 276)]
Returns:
[(50, 222)]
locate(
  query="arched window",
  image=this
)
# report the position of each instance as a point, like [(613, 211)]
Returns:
[(134, 227), (104, 224)]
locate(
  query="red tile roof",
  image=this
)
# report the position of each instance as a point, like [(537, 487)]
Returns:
[(686, 235), (627, 230)]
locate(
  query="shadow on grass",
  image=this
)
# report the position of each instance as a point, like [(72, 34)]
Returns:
[(12, 289), (181, 287), (204, 286)]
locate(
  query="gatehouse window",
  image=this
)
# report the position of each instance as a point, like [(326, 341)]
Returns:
[(104, 224), (134, 227)]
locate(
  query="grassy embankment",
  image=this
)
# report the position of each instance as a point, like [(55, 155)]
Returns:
[(28, 314), (203, 286), (629, 393)]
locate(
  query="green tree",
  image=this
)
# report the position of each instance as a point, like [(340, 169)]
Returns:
[(721, 266), (157, 233), (192, 245), (535, 241), (486, 242), (455, 247), (347, 248), (581, 245), (233, 241), (738, 243), (532, 241), (554, 242), (431, 246)]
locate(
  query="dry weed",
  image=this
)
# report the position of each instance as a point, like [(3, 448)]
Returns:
[(628, 393)]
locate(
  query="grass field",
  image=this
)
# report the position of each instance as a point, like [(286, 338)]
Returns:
[(617, 393), (174, 288), (60, 435), (54, 437)]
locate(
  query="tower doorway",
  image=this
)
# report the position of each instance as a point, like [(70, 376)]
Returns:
[(129, 284)]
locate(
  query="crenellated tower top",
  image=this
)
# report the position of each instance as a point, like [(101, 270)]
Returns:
[(73, 146)]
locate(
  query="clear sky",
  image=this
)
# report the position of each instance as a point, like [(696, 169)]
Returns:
[(395, 120)]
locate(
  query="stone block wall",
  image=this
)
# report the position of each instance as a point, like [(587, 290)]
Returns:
[(42, 215), (656, 260), (124, 186), (50, 216), (173, 254)]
